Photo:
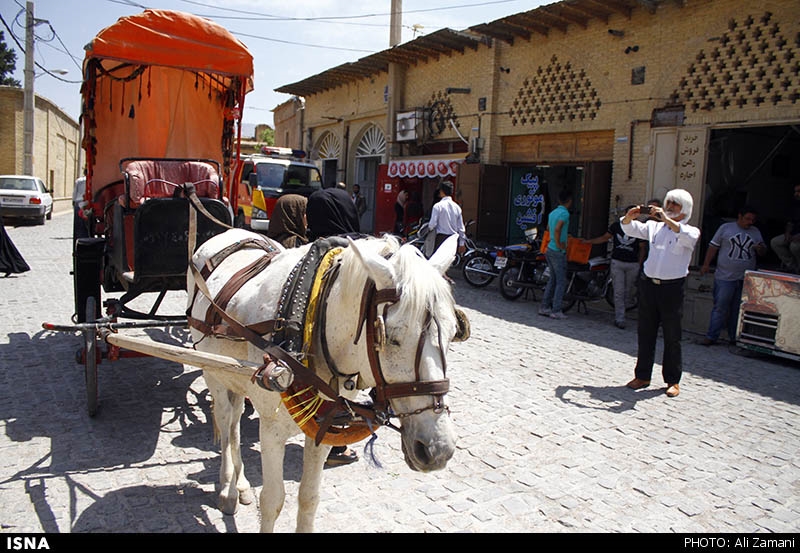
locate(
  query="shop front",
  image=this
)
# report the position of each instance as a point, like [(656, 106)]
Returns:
[(420, 177)]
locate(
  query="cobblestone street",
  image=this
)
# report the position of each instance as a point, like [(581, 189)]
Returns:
[(549, 439)]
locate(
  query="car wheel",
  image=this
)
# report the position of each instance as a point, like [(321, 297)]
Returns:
[(50, 214)]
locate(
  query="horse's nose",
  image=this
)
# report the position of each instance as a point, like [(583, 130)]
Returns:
[(422, 453)]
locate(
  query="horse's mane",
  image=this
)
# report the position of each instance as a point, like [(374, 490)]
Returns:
[(421, 286)]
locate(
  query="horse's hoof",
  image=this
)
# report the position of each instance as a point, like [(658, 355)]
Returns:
[(228, 505), (246, 497)]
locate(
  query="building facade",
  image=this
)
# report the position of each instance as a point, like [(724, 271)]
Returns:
[(57, 156), (619, 100)]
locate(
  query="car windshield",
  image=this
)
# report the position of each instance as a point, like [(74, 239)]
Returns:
[(271, 175), (18, 184)]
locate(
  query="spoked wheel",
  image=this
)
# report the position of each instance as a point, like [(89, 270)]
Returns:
[(610, 297), (570, 296), (477, 270), (90, 358), (508, 276)]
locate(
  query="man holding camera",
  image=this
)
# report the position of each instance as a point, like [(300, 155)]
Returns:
[(661, 287)]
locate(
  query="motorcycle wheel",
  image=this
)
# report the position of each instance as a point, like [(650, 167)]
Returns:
[(508, 275), (610, 297), (475, 269), (570, 297)]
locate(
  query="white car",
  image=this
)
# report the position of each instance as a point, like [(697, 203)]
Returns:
[(25, 197)]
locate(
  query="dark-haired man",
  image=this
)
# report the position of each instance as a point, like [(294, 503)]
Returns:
[(556, 256), (446, 218), (738, 243)]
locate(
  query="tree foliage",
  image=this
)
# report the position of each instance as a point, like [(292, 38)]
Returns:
[(267, 137), (8, 63)]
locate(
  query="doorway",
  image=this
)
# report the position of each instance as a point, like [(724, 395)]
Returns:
[(755, 166)]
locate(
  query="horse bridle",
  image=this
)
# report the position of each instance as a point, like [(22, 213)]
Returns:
[(369, 318)]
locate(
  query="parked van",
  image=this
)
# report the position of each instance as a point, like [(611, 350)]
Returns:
[(266, 177)]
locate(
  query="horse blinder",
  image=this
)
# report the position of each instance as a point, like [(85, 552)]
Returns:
[(462, 327)]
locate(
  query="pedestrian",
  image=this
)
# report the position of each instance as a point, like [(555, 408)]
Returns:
[(359, 200), (446, 218), (556, 256), (331, 212), (787, 245), (11, 261), (288, 222), (80, 225), (400, 212), (625, 266), (737, 244), (661, 285)]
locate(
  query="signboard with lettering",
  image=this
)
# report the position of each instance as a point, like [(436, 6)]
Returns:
[(527, 207)]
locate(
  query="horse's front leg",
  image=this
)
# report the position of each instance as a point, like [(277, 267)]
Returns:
[(228, 407), (273, 493), (308, 495)]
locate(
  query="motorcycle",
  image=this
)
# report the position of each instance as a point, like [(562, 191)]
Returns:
[(591, 281), (479, 268), (522, 267), (418, 235)]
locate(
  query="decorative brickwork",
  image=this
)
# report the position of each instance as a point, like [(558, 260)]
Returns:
[(556, 94), (441, 109), (753, 63)]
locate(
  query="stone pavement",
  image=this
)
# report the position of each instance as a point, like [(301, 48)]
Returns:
[(550, 440)]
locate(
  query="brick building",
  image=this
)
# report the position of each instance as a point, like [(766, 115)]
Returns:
[(620, 100), (57, 156)]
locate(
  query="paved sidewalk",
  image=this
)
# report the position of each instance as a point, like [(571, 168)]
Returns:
[(550, 440)]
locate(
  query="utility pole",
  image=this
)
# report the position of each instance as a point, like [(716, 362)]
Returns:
[(396, 79), (28, 93)]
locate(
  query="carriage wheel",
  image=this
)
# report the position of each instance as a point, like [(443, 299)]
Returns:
[(90, 358)]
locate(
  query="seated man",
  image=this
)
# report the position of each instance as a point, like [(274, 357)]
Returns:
[(787, 245)]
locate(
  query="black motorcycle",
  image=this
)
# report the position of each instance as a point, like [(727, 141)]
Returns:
[(522, 267), (591, 281), (479, 268)]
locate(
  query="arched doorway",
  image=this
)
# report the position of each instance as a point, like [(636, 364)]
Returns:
[(329, 151), (369, 154)]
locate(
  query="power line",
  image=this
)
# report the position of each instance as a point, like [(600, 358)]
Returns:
[(260, 16)]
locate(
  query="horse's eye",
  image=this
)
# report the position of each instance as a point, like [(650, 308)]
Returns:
[(394, 342)]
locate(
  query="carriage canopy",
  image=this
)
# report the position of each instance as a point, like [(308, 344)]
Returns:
[(162, 84)]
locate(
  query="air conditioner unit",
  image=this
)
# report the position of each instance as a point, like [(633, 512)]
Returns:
[(407, 124)]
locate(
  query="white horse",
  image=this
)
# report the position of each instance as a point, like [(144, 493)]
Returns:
[(412, 324)]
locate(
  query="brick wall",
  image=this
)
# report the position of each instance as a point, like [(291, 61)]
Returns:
[(587, 79), (57, 156)]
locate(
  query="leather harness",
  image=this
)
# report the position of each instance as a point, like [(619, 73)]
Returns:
[(287, 344)]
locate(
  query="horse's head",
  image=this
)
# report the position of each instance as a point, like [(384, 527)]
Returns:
[(409, 318)]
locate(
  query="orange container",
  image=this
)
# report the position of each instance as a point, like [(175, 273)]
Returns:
[(577, 251)]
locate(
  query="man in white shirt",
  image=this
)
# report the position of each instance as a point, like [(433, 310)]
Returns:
[(661, 286), (446, 218)]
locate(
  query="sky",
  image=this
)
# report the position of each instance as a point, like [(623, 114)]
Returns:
[(290, 41)]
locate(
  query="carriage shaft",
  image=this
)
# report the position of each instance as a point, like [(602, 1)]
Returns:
[(187, 356)]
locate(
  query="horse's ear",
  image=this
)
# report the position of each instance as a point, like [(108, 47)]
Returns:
[(443, 257), (378, 268)]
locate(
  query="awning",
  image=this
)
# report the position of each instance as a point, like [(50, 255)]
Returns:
[(426, 166)]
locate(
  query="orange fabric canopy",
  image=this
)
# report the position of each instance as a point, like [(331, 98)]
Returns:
[(173, 39), (162, 84)]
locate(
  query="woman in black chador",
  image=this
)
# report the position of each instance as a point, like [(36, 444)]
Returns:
[(11, 260)]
